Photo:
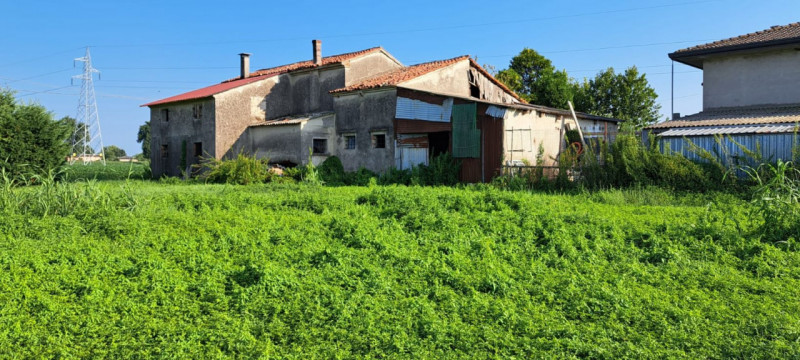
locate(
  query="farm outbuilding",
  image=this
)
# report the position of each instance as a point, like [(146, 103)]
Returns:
[(751, 98)]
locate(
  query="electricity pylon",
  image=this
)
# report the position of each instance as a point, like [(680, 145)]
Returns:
[(87, 140)]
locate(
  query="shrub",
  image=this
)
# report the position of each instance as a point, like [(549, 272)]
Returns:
[(31, 142), (331, 171), (441, 170), (242, 170), (360, 178), (776, 198), (395, 176)]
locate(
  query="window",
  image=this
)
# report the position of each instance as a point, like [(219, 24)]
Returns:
[(350, 141), (164, 150), (474, 90), (165, 115), (320, 146), (379, 141), (198, 149), (197, 111)]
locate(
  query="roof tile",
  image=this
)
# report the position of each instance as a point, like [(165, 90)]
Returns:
[(260, 75), (784, 32), (395, 77)]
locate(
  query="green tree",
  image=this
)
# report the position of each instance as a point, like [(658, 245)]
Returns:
[(143, 137), (627, 96), (31, 142), (113, 153), (76, 139), (534, 78)]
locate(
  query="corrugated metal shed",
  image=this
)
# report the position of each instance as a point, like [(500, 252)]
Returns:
[(718, 130), (771, 146), (413, 109)]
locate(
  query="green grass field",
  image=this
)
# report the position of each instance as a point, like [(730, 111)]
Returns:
[(112, 170), (137, 269)]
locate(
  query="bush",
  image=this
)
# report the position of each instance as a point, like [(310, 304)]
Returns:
[(361, 177), (776, 198), (242, 170), (628, 162), (441, 170), (31, 142), (331, 171), (395, 176)]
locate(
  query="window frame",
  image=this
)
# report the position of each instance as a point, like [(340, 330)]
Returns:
[(314, 146), (346, 137), (373, 138)]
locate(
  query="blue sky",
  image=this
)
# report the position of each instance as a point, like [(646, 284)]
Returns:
[(147, 50)]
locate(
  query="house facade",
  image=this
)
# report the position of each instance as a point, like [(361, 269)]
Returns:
[(751, 97), (214, 121), (367, 109)]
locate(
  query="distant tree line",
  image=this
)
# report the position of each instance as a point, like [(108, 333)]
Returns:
[(627, 96)]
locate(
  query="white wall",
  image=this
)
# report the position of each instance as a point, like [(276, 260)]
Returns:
[(754, 79)]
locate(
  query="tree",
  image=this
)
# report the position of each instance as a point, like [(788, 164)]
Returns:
[(113, 153), (31, 142), (534, 78), (76, 139), (143, 136), (627, 96)]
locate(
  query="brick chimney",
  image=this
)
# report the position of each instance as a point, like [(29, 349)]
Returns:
[(244, 65), (317, 51)]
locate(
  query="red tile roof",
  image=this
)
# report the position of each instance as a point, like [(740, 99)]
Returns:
[(747, 115), (208, 91), (764, 37), (396, 77), (260, 75), (308, 64)]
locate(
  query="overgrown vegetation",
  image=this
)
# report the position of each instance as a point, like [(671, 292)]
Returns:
[(242, 170), (32, 143), (145, 269)]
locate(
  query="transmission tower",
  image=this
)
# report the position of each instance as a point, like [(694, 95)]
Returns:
[(87, 141)]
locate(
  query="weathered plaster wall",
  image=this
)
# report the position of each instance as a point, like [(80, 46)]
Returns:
[(363, 114), (236, 109), (532, 129), (525, 131), (366, 66), (318, 128), (182, 126), (454, 80), (754, 79), (278, 143)]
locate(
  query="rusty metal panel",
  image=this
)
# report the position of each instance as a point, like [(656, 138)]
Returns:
[(492, 133), (412, 140), (420, 126)]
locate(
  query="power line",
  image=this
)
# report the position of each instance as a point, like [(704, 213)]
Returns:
[(40, 75), (39, 57), (405, 31)]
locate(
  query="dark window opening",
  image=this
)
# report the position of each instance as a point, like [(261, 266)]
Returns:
[(439, 143), (320, 146), (198, 149), (379, 141), (350, 142), (164, 151), (165, 114), (474, 91)]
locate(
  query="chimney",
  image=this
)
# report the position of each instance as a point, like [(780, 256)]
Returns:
[(244, 65), (676, 116), (317, 51)]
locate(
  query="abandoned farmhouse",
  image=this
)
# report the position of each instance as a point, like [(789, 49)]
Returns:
[(750, 97), (366, 108)]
